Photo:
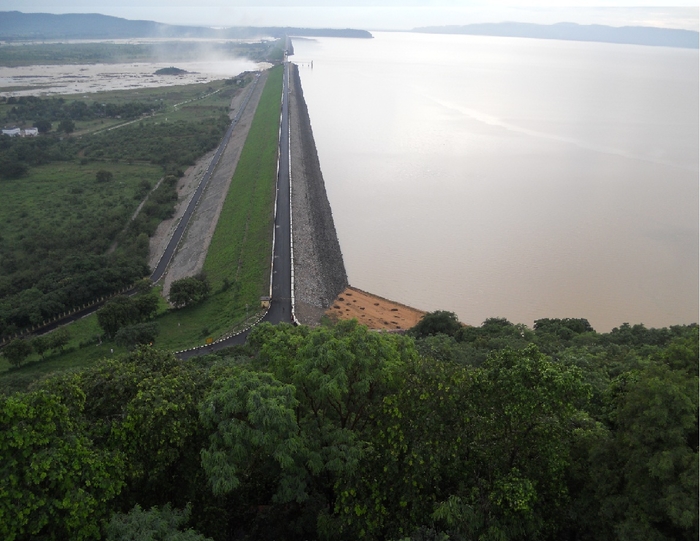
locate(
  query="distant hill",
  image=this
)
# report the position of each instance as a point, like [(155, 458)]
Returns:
[(633, 35), (15, 25)]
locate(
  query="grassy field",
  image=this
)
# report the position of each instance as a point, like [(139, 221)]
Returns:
[(239, 255), (65, 195)]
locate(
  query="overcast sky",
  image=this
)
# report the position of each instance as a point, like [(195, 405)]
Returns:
[(374, 14)]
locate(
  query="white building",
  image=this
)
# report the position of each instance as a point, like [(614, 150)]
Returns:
[(12, 132)]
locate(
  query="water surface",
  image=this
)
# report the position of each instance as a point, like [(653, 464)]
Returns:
[(506, 177)]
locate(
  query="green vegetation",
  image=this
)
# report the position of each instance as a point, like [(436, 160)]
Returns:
[(237, 267), (156, 524), (189, 291), (238, 261), (498, 432), (123, 311), (55, 109), (170, 71), (172, 145), (67, 237), (58, 226)]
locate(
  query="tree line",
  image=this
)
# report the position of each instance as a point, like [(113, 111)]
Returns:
[(497, 432), (171, 145), (126, 320), (35, 109)]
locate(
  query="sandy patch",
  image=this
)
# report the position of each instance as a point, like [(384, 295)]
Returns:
[(373, 311)]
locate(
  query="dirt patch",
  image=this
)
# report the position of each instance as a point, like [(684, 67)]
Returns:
[(373, 311)]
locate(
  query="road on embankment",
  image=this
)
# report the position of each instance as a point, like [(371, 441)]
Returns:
[(281, 303), (281, 272)]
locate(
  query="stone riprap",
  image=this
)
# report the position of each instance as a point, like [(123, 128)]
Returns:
[(319, 271)]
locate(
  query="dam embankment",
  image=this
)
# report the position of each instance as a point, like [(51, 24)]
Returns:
[(319, 271)]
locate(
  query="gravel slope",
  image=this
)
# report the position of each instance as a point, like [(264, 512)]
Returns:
[(319, 271)]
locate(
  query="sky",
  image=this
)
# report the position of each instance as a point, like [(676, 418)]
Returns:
[(375, 14)]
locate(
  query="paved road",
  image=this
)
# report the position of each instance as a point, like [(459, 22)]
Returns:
[(281, 304)]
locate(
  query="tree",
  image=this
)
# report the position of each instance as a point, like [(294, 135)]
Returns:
[(145, 406), (646, 471), (12, 167), (135, 335), (43, 125), (17, 351), (116, 313), (55, 483), (157, 524), (481, 451), (147, 305), (59, 339), (41, 344), (437, 322), (189, 291), (144, 286), (104, 176), (253, 417), (555, 326), (289, 428), (66, 125)]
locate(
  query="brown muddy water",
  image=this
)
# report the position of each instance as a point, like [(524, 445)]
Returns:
[(506, 177)]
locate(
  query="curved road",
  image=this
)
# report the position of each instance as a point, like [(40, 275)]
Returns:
[(281, 302)]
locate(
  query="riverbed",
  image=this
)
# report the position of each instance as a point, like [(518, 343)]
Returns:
[(48, 80)]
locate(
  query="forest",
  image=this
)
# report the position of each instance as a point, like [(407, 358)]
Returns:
[(449, 432)]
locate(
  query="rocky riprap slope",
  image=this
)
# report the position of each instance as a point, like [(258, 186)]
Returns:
[(319, 271)]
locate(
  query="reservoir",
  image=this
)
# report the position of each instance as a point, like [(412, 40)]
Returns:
[(511, 177)]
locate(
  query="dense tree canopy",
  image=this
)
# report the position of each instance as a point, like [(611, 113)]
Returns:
[(189, 291), (344, 433)]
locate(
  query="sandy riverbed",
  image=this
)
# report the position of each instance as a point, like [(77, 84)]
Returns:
[(47, 80)]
